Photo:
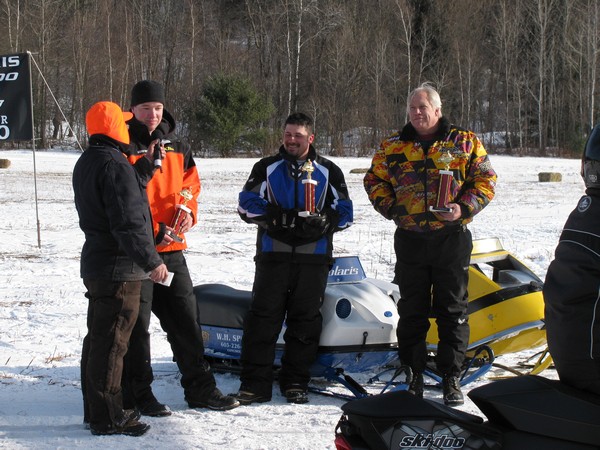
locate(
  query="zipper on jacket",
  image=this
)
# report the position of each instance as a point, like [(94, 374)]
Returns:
[(297, 175), (425, 187)]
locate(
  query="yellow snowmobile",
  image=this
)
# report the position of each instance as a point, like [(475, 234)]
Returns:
[(506, 307)]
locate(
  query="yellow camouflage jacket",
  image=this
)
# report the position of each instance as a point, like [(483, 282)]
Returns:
[(403, 180)]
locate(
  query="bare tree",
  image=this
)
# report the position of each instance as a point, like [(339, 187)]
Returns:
[(507, 41), (541, 16), (591, 31), (12, 11), (532, 74)]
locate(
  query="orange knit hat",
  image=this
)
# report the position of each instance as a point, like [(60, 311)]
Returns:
[(108, 119)]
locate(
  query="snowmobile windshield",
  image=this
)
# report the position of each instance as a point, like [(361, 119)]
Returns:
[(592, 146), (591, 160)]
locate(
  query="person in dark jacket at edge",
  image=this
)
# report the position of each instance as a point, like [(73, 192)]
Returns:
[(174, 305), (117, 255), (433, 248), (293, 258), (572, 284)]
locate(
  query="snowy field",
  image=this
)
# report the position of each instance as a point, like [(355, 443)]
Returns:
[(43, 308)]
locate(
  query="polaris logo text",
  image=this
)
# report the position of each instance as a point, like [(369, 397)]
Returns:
[(4, 130), (10, 61), (432, 441), (7, 62), (338, 271)]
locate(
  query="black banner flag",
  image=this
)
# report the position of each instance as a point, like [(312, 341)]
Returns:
[(16, 106)]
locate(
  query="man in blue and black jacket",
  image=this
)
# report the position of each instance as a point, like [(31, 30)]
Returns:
[(293, 257)]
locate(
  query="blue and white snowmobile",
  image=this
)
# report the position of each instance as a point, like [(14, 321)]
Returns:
[(359, 324), (360, 318)]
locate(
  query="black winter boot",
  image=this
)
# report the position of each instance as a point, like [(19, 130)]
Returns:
[(416, 385), (452, 393), (215, 400)]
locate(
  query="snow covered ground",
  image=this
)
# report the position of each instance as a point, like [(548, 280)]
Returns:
[(43, 309)]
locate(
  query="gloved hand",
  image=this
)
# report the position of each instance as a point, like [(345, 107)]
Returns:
[(278, 219), (317, 225)]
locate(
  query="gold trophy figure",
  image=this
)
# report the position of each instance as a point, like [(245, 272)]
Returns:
[(446, 176), (309, 189), (179, 215)]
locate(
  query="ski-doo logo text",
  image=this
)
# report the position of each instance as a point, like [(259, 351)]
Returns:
[(431, 441)]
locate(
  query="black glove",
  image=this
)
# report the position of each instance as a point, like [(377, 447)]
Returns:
[(278, 219), (316, 225), (162, 230)]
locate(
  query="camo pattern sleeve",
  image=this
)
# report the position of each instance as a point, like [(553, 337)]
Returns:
[(378, 184), (479, 186), (404, 178)]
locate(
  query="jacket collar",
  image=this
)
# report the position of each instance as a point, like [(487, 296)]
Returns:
[(312, 154), (140, 131), (102, 140), (409, 133)]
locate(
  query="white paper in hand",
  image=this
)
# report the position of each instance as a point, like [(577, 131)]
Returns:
[(167, 282)]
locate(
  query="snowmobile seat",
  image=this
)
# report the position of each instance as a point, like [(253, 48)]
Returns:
[(386, 421), (508, 277), (537, 405), (221, 305), (396, 404)]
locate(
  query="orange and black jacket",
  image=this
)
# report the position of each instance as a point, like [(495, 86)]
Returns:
[(163, 188)]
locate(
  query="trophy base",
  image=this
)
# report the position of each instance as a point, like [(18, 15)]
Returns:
[(173, 236), (440, 209), (306, 214)]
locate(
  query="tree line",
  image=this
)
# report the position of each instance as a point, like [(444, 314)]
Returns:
[(522, 73)]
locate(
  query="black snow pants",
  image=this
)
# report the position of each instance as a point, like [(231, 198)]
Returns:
[(281, 288), (176, 309), (432, 274)]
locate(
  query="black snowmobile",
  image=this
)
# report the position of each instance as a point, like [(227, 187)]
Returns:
[(523, 413)]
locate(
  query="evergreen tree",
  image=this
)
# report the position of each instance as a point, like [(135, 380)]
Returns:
[(229, 115)]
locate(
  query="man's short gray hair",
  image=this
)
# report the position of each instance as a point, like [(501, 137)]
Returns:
[(432, 95)]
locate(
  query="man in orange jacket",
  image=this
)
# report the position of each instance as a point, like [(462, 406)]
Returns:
[(174, 180)]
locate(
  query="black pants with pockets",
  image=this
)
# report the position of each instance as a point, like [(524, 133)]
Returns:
[(176, 309), (282, 291), (112, 311), (432, 274)]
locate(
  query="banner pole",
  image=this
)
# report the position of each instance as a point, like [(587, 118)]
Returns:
[(54, 98), (37, 214)]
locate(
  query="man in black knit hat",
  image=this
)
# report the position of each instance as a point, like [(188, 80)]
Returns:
[(177, 182)]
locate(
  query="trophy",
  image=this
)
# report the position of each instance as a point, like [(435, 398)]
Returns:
[(309, 189), (178, 217), (446, 175)]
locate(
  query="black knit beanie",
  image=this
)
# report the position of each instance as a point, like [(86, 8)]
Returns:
[(147, 91)]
